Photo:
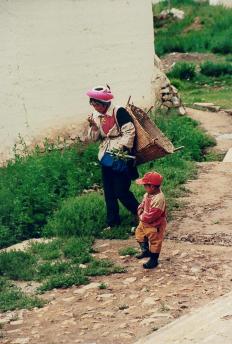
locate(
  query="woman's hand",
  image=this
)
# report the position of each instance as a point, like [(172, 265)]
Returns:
[(92, 122)]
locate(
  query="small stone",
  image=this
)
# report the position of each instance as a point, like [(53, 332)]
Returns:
[(107, 314), (165, 90), (182, 110), (4, 321), (69, 299), (24, 340), (167, 97), (82, 290), (17, 322), (165, 84), (168, 104), (97, 326), (105, 296), (174, 89), (82, 266), (176, 252), (149, 301), (129, 280), (175, 101)]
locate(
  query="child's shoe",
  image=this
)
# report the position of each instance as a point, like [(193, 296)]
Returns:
[(152, 262), (145, 251)]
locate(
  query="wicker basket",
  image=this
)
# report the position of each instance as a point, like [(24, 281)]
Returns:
[(150, 142)]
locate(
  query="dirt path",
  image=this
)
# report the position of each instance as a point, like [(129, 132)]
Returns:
[(191, 273)]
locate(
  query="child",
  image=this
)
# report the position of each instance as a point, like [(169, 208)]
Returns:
[(152, 215)]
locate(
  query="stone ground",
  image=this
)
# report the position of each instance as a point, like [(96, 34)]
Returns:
[(195, 268)]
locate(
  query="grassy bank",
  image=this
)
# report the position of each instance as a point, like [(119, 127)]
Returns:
[(204, 29), (209, 82), (58, 178)]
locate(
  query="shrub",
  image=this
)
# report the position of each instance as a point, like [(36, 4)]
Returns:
[(31, 188), (80, 216), (17, 265), (128, 251), (183, 71), (209, 68), (12, 298)]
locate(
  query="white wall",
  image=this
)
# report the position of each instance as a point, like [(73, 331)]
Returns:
[(52, 51), (227, 3)]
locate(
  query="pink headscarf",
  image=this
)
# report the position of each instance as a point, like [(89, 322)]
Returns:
[(101, 93)]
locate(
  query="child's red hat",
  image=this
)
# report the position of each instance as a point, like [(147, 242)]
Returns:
[(152, 178)]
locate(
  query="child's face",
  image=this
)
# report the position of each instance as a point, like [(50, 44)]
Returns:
[(149, 188)]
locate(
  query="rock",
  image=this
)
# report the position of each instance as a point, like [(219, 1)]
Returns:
[(87, 287), (105, 296), (148, 321), (229, 111), (17, 322), (178, 14), (105, 334), (129, 280), (4, 321), (174, 89), (175, 101), (165, 84), (97, 326), (176, 252), (182, 110), (165, 90), (69, 299), (82, 266), (24, 340), (208, 106), (107, 314), (149, 301), (167, 97), (168, 104)]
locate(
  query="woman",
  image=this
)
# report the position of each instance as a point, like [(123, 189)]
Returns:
[(114, 126)]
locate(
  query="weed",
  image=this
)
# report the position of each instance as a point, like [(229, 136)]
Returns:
[(183, 71), (128, 251), (12, 297), (103, 286), (209, 68)]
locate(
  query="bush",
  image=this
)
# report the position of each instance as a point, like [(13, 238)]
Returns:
[(209, 68), (12, 298), (80, 216), (17, 265), (183, 71), (222, 44), (31, 188)]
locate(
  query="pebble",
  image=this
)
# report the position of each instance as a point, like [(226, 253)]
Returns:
[(129, 280), (24, 340), (149, 301)]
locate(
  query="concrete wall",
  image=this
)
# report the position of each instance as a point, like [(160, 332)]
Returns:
[(52, 51), (226, 3)]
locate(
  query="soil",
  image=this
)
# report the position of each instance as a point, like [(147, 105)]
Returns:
[(195, 267)]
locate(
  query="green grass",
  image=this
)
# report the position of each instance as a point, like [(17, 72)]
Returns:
[(12, 297), (213, 83), (60, 263), (128, 251), (32, 187), (78, 218), (213, 36)]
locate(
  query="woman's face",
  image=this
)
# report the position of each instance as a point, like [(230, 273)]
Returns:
[(101, 108)]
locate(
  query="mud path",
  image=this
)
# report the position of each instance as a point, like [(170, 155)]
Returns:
[(192, 272)]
